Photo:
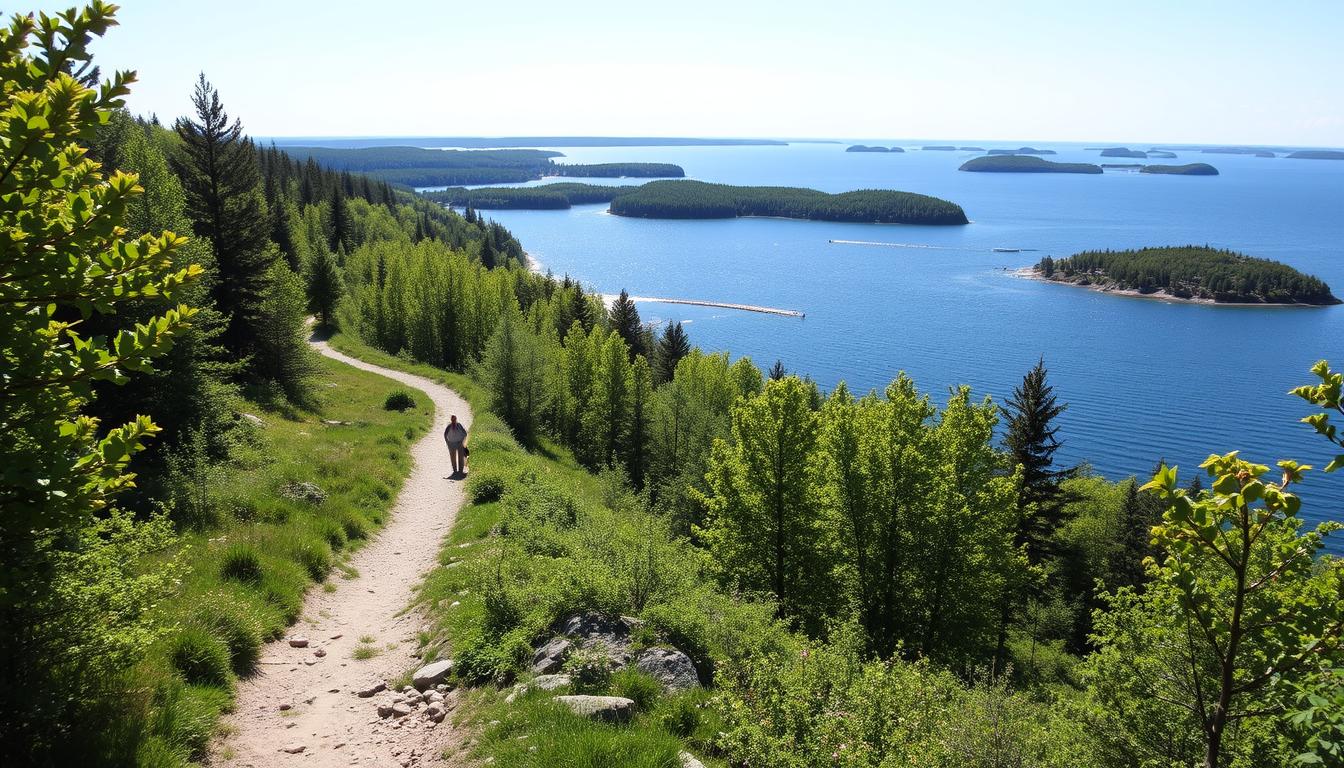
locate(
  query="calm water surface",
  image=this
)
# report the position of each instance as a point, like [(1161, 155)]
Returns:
[(1144, 379)]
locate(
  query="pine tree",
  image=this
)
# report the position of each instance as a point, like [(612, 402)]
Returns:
[(341, 235), (324, 287), (582, 310), (672, 347), (624, 319), (218, 168), (1031, 442), (777, 371), (639, 431)]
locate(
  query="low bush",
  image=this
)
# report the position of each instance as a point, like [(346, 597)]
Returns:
[(399, 400), (232, 622), (636, 686), (487, 485), (202, 658)]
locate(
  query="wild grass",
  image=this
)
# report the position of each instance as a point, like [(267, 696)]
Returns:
[(249, 571)]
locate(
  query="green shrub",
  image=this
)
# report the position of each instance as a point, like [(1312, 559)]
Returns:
[(399, 400), (679, 716), (232, 622), (202, 658), (638, 687), (486, 485), (241, 563), (590, 670), (333, 533)]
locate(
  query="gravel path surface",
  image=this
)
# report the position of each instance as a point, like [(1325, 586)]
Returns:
[(302, 708)]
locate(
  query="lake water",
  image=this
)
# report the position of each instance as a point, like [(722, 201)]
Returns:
[(1144, 379)]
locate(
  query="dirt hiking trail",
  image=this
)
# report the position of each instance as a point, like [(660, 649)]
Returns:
[(301, 708)]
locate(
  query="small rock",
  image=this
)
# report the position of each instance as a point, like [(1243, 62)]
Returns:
[(371, 690), (551, 682), (401, 709), (294, 749), (606, 708), (252, 418), (384, 709), (551, 656), (670, 667), (298, 642), (688, 760), (434, 697), (319, 653), (286, 707), (442, 688), (305, 491), (432, 674), (337, 636)]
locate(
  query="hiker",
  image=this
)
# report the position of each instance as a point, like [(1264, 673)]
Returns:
[(456, 437)]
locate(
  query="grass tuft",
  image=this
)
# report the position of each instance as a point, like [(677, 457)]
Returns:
[(202, 658)]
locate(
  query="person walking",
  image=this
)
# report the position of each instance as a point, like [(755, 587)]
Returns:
[(456, 437)]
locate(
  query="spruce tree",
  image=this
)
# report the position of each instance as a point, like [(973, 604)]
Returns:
[(341, 235), (777, 371), (324, 287), (672, 347), (1031, 442), (625, 321), (218, 168)]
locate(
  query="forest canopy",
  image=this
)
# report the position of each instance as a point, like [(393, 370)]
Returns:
[(700, 200), (1191, 272)]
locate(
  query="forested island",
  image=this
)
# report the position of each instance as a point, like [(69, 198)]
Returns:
[(939, 148), (1254, 152), (1123, 152), (971, 149), (1022, 151), (1024, 164), (1189, 169), (1161, 153), (865, 148), (1191, 273), (1317, 154), (556, 196), (418, 167), (701, 200)]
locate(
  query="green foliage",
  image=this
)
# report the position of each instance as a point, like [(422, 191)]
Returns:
[(1327, 397), (232, 621), (514, 367), (399, 400), (1195, 272), (71, 597), (1318, 717), (325, 287), (281, 353), (241, 563), (701, 200), (636, 686), (202, 658)]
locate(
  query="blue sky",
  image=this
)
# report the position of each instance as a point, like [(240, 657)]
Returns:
[(1184, 71)]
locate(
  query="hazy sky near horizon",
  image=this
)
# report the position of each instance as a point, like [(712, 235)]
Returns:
[(1185, 71)]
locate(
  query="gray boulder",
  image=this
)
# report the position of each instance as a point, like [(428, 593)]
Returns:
[(551, 656), (551, 682), (688, 760), (611, 709), (431, 674), (670, 667)]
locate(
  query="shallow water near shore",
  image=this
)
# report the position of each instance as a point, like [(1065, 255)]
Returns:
[(1145, 380)]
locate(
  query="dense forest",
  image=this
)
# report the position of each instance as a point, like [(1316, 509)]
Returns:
[(544, 197), (864, 579), (701, 200), (1024, 164), (1188, 169), (418, 167), (1191, 272)]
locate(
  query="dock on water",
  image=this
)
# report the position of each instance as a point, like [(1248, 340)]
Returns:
[(718, 304)]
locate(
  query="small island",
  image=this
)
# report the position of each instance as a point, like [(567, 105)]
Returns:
[(865, 148), (939, 148), (1317, 154), (1123, 152), (1022, 151), (702, 200), (1161, 153), (971, 149), (1187, 273), (1189, 169), (618, 170), (547, 197), (1237, 151), (1024, 164)]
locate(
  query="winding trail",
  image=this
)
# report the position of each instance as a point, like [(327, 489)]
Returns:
[(324, 715)]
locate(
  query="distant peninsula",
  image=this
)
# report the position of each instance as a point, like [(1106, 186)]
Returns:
[(1189, 169), (1022, 151), (1123, 152), (702, 200), (1024, 164), (971, 149), (1161, 153), (419, 167), (546, 197), (1238, 151), (1187, 273), (1317, 154), (866, 148), (939, 148)]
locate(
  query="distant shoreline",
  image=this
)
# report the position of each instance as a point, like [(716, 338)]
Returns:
[(1030, 273)]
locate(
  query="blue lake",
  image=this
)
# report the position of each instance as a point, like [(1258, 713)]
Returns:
[(1144, 379)]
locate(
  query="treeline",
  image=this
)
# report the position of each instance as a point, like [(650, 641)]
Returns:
[(1013, 163), (1188, 169), (545, 197), (701, 200), (1192, 272), (418, 167)]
